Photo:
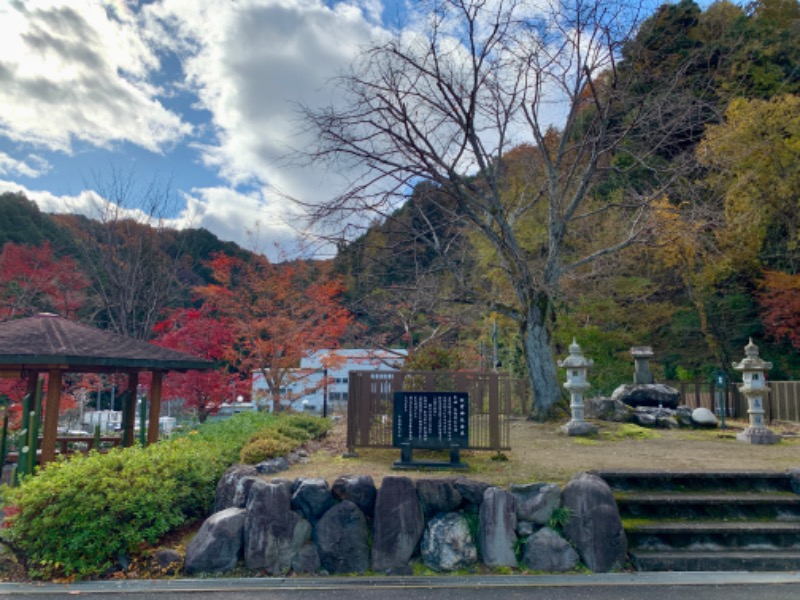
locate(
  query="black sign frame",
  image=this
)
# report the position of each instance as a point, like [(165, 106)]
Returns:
[(431, 420)]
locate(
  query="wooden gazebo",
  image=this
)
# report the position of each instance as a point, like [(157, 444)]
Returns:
[(51, 344)]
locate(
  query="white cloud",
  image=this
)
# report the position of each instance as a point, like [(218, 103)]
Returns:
[(34, 166), (249, 62), (69, 71), (250, 219)]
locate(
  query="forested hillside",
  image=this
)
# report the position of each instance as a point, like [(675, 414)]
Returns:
[(710, 101), (664, 212)]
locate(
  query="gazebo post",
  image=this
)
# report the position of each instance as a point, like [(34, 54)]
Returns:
[(51, 417), (155, 407), (130, 409)]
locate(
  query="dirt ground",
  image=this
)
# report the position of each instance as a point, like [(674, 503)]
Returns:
[(540, 453)]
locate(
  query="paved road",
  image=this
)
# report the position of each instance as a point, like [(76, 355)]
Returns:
[(652, 586)]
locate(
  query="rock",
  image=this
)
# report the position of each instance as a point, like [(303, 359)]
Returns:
[(644, 419), (398, 524), (217, 545), (272, 466), (447, 543), (667, 423), (524, 528), (242, 491), (536, 501), (471, 493), (656, 394), (547, 551), (608, 409), (273, 533), (794, 479), (595, 528), (359, 489), (168, 561), (306, 561), (342, 539), (497, 531), (684, 416), (702, 417), (312, 498), (437, 496), (230, 483)]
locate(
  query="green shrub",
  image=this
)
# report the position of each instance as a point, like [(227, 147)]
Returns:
[(315, 426), (79, 516), (265, 448), (295, 433)]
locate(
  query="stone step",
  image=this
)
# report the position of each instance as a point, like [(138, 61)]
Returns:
[(690, 505), (689, 481), (715, 535), (753, 560)]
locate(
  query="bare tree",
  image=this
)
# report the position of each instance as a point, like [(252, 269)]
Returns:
[(123, 250), (448, 102)]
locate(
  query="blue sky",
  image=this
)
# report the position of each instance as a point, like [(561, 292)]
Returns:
[(195, 93)]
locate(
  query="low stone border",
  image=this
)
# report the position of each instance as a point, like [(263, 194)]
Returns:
[(307, 527)]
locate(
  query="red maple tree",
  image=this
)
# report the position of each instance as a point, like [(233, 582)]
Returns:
[(780, 303), (278, 313), (35, 280), (198, 332)]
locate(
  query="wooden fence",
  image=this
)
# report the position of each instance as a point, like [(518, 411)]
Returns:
[(370, 401), (782, 402)]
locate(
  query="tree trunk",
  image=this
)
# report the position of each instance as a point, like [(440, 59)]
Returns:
[(539, 358)]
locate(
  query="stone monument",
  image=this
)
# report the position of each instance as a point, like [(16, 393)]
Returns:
[(645, 391), (577, 367), (754, 388)]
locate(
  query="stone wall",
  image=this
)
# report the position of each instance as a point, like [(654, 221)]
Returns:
[(305, 526)]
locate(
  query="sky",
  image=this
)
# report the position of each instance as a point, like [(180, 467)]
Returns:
[(195, 96)]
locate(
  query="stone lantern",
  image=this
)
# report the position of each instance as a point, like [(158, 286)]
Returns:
[(577, 367), (754, 387)]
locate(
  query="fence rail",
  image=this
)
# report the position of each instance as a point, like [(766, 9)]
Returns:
[(781, 403), (371, 393)]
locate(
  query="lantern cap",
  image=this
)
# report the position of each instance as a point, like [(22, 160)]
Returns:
[(575, 358), (752, 361)]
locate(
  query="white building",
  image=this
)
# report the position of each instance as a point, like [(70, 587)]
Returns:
[(308, 384), (109, 420)]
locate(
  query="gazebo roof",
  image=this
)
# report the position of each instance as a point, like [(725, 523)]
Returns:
[(49, 341)]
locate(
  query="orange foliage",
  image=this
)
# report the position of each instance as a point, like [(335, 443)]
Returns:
[(780, 302)]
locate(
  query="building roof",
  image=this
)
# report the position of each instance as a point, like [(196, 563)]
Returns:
[(49, 341)]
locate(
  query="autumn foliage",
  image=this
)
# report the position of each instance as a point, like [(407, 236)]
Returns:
[(277, 314), (198, 332), (780, 302), (34, 280)]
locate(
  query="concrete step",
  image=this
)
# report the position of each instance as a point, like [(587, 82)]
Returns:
[(783, 506), (751, 560), (688, 481), (716, 535)]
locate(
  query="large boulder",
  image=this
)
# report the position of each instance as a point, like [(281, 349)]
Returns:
[(547, 551), (306, 561), (655, 394), (608, 409), (702, 417), (595, 527), (536, 501), (233, 486), (497, 531), (359, 489), (217, 546), (398, 525), (312, 498), (437, 496), (342, 539), (447, 543), (273, 533), (471, 493)]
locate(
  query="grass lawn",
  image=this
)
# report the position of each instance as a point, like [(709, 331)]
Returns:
[(540, 453)]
